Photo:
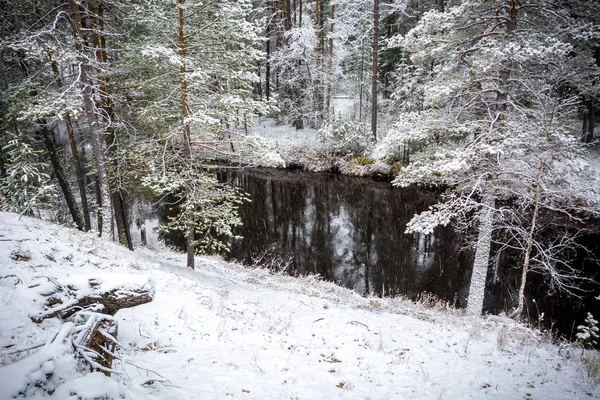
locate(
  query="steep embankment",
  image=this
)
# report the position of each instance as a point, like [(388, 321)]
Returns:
[(224, 331)]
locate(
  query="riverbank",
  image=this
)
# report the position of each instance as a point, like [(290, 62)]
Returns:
[(293, 148), (225, 331)]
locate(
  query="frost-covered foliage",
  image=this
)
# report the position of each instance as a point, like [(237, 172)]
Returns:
[(346, 137), (204, 203), (487, 106), (119, 80), (27, 185), (219, 78), (294, 63), (256, 150), (588, 334)]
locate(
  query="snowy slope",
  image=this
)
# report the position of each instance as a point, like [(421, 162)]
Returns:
[(227, 332)]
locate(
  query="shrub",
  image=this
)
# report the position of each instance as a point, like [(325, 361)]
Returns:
[(346, 137)]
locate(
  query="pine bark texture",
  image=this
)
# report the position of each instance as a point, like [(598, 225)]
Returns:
[(61, 177), (185, 111), (97, 148), (330, 66), (118, 196), (374, 71), (75, 159), (482, 257)]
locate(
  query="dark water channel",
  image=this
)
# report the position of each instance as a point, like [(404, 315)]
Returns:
[(351, 231)]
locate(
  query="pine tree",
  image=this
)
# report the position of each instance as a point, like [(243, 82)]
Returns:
[(210, 64), (492, 117)]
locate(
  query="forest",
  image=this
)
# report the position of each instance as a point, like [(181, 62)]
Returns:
[(354, 154), (494, 103)]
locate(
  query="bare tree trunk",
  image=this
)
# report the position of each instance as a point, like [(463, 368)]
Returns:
[(589, 115), (285, 7), (102, 175), (76, 161), (374, 74), (538, 195), (61, 177), (2, 164), (521, 304), (361, 77), (106, 104), (268, 63), (330, 66), (185, 111), (360, 103), (482, 257), (591, 121), (318, 94)]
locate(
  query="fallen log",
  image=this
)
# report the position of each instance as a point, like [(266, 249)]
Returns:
[(102, 295)]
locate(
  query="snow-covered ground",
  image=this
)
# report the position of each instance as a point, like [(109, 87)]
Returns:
[(228, 332), (284, 137)]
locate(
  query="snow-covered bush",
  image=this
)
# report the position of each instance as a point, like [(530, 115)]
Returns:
[(588, 334), (346, 137), (26, 185)]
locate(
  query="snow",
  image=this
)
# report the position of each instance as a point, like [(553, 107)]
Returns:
[(285, 137), (224, 331)]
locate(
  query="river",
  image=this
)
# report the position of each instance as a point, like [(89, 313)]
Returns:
[(352, 231)]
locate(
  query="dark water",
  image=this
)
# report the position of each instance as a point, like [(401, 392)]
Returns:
[(351, 231)]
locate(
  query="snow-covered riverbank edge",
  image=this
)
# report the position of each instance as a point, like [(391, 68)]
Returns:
[(288, 147), (225, 331)]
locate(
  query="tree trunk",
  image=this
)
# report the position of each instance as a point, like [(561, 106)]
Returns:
[(61, 177), (538, 195), (98, 291), (504, 73), (482, 257), (330, 66), (2, 163), (76, 161), (185, 112), (521, 304), (268, 63), (285, 7), (360, 103), (374, 73), (318, 94), (591, 121), (106, 104), (102, 175), (589, 116)]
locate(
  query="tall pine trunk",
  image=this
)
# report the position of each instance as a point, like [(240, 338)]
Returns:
[(185, 113), (318, 92), (268, 63), (482, 257), (61, 177), (84, 81), (330, 66), (374, 73), (76, 160), (118, 196)]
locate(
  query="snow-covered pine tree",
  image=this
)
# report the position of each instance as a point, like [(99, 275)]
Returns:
[(194, 94), (492, 113)]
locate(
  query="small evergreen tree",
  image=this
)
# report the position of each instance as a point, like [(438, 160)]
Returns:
[(588, 334)]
